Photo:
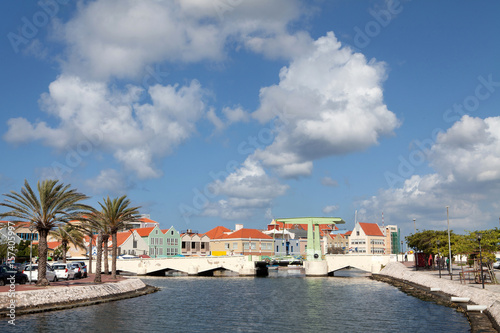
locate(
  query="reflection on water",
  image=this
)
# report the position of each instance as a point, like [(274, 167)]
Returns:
[(349, 302)]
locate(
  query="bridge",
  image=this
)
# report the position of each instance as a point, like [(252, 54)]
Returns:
[(243, 265), (248, 265), (365, 262)]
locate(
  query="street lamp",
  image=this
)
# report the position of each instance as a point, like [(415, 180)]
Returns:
[(439, 259), (402, 251), (32, 228), (480, 258), (414, 227), (449, 243)]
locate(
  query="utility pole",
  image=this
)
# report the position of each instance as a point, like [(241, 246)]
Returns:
[(449, 242)]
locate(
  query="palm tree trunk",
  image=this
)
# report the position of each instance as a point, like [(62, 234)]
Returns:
[(105, 240), (42, 257), (64, 250), (97, 278), (113, 255)]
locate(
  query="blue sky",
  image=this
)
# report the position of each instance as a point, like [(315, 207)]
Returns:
[(219, 112)]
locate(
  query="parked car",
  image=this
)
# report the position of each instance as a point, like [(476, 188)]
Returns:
[(84, 268), (33, 269), (496, 264), (6, 273), (77, 268), (64, 271)]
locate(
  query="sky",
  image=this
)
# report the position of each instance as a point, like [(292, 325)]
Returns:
[(217, 112)]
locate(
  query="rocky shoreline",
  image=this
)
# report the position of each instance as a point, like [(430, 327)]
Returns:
[(60, 298), (440, 291)]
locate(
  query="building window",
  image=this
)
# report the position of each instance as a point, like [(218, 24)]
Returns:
[(226, 246), (357, 232), (235, 246), (172, 232), (193, 245), (202, 245), (183, 245), (134, 244)]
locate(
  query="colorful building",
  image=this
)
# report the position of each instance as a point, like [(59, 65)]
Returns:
[(242, 242)]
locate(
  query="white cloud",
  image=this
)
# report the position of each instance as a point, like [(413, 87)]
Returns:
[(467, 160), (330, 102), (330, 209), (245, 191), (114, 121), (469, 151), (118, 38)]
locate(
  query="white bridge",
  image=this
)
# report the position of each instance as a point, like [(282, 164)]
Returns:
[(247, 265), (243, 265)]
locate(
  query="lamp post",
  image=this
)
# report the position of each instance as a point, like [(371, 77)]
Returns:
[(439, 259), (449, 243), (414, 227), (402, 251), (32, 228), (480, 258)]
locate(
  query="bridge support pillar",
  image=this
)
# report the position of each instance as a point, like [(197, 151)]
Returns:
[(193, 270), (316, 268), (248, 269)]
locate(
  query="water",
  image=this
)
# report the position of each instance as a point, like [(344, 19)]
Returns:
[(279, 303)]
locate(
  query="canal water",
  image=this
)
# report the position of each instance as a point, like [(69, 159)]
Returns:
[(282, 302)]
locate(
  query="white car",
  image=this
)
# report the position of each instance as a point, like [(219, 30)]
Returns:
[(496, 264), (32, 272), (64, 271)]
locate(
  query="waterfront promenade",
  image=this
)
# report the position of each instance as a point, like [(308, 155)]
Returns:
[(452, 286)]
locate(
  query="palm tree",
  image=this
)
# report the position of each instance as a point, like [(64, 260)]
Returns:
[(116, 213), (54, 204), (68, 234)]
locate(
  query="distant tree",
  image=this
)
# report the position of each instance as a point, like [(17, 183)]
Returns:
[(427, 241), (115, 214), (68, 235)]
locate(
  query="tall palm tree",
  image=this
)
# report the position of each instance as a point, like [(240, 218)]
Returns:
[(68, 234), (116, 213), (54, 203)]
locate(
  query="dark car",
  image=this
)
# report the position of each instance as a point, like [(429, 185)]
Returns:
[(6, 273), (84, 268)]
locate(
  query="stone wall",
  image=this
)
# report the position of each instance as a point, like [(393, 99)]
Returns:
[(451, 287), (65, 295)]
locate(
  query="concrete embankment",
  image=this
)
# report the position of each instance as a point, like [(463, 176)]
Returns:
[(490, 298), (58, 298)]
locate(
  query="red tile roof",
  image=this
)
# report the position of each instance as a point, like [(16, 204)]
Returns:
[(348, 233), (246, 234), (52, 245), (146, 220), (144, 232), (216, 232), (121, 237), (371, 229)]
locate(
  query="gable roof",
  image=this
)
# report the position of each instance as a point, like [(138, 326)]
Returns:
[(52, 245), (247, 233), (121, 237), (143, 232), (216, 232), (348, 233), (371, 229)]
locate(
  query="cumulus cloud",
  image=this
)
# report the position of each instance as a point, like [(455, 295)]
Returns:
[(330, 102), (114, 121), (118, 38), (244, 191), (467, 161), (469, 151)]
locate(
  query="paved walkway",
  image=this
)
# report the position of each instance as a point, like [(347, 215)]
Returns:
[(61, 283), (456, 270)]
